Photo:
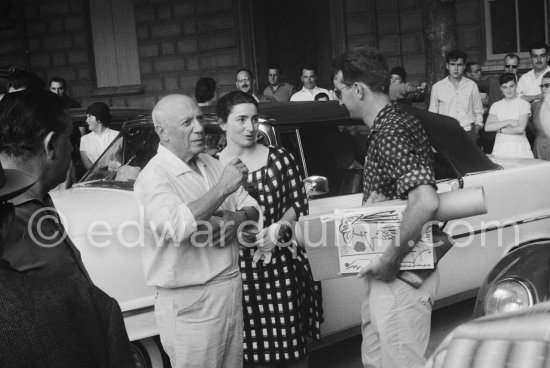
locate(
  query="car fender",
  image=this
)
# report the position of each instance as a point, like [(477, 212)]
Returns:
[(528, 262), (109, 237)]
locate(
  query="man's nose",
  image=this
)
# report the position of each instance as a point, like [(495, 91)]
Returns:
[(198, 127)]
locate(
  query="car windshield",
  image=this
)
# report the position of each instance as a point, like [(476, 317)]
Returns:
[(122, 161), (328, 144)]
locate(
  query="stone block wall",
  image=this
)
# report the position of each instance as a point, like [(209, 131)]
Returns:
[(178, 42), (181, 41), (58, 43), (51, 39), (395, 28)]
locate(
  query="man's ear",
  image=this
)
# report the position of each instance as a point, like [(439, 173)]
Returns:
[(49, 145), (361, 90), (160, 131)]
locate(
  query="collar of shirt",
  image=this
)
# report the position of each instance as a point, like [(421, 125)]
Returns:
[(30, 196), (462, 81), (532, 72), (275, 88), (103, 133), (312, 91), (174, 163), (379, 120)]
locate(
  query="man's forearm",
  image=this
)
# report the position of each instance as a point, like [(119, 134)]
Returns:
[(204, 207), (422, 204), (531, 98)]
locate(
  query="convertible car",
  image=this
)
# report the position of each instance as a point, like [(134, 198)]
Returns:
[(105, 223)]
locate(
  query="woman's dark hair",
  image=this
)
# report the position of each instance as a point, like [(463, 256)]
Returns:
[(226, 103), (400, 72), (26, 118), (205, 89), (101, 112), (507, 77)]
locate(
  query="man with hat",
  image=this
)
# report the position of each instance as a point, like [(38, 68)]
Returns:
[(44, 320), (34, 138), (12, 183)]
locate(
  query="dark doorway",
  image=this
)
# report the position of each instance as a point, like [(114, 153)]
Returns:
[(290, 33)]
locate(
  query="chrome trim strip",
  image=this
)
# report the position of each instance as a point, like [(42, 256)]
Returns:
[(493, 228), (297, 132), (134, 312)]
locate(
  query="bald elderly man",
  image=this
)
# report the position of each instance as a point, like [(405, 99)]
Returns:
[(194, 208)]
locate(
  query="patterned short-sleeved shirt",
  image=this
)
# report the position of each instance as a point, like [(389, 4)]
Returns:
[(399, 157)]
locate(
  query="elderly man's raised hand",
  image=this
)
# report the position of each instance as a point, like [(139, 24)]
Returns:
[(233, 176)]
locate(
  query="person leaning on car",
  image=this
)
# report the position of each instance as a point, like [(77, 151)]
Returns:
[(35, 138), (398, 165), (190, 255)]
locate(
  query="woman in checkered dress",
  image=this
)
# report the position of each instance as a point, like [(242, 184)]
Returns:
[(281, 302)]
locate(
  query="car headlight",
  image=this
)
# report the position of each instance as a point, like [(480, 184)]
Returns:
[(507, 296)]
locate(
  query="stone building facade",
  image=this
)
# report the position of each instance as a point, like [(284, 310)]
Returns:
[(178, 41)]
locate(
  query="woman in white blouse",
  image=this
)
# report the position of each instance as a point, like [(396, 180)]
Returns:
[(508, 117), (94, 143)]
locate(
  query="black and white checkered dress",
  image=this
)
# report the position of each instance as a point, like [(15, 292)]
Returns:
[(281, 302)]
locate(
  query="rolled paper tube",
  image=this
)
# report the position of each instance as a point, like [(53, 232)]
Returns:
[(461, 203), (453, 205)]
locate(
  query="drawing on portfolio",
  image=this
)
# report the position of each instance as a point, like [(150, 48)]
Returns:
[(364, 234)]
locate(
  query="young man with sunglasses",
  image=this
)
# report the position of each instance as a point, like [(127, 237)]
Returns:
[(529, 83), (398, 165)]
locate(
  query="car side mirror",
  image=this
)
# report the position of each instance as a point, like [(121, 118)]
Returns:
[(316, 185)]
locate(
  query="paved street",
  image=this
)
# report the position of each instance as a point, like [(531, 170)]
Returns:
[(346, 354)]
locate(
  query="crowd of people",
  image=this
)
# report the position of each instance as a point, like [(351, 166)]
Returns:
[(507, 104), (232, 287)]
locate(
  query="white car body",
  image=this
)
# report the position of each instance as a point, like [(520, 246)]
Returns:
[(107, 227), (515, 215)]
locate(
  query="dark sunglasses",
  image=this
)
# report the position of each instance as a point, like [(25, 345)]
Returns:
[(511, 66), (544, 85)]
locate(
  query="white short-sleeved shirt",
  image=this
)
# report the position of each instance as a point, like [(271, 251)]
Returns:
[(510, 110), (309, 95), (94, 144), (529, 85)]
